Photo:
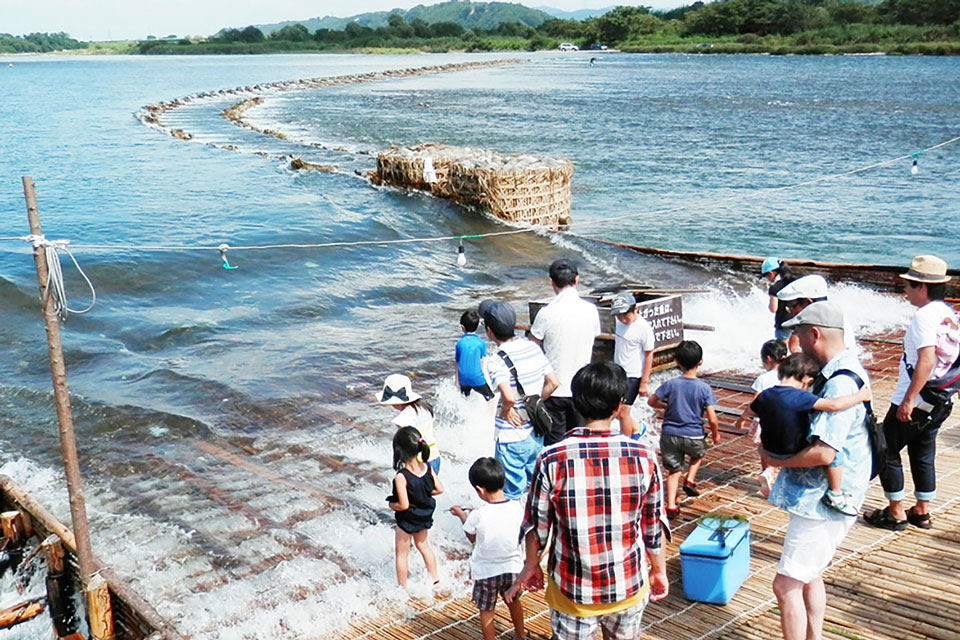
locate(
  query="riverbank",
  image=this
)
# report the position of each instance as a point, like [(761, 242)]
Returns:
[(904, 49)]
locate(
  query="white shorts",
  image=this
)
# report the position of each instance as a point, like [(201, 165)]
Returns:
[(809, 545)]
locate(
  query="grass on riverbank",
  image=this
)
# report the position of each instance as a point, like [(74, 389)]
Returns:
[(845, 39)]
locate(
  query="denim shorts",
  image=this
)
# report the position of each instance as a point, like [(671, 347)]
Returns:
[(518, 459)]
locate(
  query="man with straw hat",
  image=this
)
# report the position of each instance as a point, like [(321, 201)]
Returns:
[(912, 422)]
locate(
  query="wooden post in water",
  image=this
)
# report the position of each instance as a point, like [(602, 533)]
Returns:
[(59, 589), (58, 373), (99, 611)]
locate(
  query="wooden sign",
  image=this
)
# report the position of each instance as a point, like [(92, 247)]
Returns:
[(665, 315)]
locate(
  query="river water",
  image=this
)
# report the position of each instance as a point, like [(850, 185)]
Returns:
[(235, 464)]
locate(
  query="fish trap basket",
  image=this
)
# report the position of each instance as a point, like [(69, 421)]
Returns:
[(514, 188), (407, 167)]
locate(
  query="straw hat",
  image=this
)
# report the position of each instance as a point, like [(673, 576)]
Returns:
[(927, 269), (397, 389)]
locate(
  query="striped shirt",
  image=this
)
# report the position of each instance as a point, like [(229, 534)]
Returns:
[(532, 366), (601, 493)]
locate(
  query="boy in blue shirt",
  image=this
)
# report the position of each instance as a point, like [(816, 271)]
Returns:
[(684, 400), (784, 412), (470, 352)]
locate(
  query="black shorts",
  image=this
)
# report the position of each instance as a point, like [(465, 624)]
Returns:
[(483, 390), (633, 388)]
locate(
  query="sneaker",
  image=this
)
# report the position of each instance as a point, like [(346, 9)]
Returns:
[(883, 519), (690, 488), (838, 502), (765, 481)]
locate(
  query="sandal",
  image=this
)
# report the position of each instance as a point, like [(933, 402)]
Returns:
[(672, 514), (883, 519), (690, 488), (922, 521)]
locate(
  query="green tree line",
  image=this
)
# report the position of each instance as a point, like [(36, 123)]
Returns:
[(813, 26), (38, 43)]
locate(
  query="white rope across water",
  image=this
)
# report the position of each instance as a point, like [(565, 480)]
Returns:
[(683, 207), (60, 298)]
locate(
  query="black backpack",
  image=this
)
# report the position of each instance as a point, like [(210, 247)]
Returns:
[(878, 440)]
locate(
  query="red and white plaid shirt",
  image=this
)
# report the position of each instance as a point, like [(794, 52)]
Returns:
[(601, 493)]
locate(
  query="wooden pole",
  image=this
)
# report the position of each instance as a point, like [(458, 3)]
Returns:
[(60, 599), (99, 610), (16, 614), (10, 523), (58, 373)]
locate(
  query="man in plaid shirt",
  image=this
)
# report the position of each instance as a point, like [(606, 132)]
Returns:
[(600, 493)]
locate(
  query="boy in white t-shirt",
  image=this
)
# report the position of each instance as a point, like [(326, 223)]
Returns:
[(632, 350), (497, 558)]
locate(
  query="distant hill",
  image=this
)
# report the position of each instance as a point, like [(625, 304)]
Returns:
[(469, 15), (581, 14)]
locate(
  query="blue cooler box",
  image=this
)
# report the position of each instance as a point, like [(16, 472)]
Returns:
[(715, 560)]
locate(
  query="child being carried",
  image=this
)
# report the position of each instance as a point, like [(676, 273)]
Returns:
[(784, 412)]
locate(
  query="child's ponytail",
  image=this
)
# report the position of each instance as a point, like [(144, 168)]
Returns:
[(424, 449), (407, 445)]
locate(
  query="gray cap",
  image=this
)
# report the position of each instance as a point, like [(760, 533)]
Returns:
[(500, 318), (819, 314), (810, 287), (622, 302), (484, 306)]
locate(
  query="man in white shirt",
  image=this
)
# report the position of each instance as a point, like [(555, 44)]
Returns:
[(911, 422), (565, 328), (633, 350)]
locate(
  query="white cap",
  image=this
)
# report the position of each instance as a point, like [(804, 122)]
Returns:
[(812, 287)]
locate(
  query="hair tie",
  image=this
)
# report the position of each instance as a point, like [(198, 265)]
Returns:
[(420, 441)]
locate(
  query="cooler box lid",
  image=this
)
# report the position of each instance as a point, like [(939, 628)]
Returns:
[(715, 538)]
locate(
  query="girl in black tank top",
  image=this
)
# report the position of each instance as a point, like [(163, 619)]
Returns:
[(412, 500)]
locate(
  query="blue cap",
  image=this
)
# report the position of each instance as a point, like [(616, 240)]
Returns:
[(769, 264)]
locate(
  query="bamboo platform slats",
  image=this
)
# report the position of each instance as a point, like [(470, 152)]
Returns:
[(882, 585)]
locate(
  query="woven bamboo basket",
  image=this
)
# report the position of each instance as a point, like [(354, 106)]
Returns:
[(515, 188)]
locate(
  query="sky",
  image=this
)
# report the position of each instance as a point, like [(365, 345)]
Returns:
[(131, 19)]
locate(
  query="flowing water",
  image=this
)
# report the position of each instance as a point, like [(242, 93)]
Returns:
[(234, 461)]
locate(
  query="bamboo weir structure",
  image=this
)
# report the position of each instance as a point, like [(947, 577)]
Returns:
[(516, 188), (883, 585)]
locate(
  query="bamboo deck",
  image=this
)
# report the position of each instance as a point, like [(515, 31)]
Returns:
[(882, 584)]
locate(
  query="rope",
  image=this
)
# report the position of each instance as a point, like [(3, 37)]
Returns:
[(683, 207), (319, 245), (54, 286)]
